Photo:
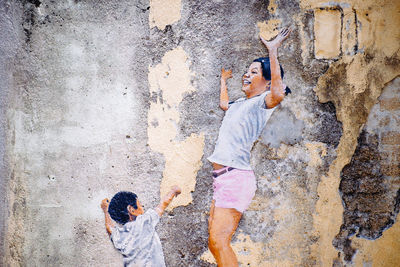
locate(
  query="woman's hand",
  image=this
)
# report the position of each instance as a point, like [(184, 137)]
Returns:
[(278, 40), (226, 74), (176, 190)]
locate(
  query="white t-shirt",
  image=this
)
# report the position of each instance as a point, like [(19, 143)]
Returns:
[(242, 125), (138, 241)]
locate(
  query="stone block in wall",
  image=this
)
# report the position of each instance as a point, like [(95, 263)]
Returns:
[(327, 33)]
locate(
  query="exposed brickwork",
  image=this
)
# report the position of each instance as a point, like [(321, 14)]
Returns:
[(369, 195)]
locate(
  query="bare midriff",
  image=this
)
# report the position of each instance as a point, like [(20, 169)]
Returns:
[(217, 166)]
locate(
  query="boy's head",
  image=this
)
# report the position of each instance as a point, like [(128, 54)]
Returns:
[(124, 207)]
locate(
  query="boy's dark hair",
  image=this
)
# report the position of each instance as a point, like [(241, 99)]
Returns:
[(266, 67), (118, 208)]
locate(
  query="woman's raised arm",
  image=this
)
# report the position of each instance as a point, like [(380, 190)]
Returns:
[(277, 87)]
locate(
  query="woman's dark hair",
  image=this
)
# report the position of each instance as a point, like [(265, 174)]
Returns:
[(266, 68), (118, 207)]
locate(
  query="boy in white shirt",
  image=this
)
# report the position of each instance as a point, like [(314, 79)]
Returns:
[(136, 238)]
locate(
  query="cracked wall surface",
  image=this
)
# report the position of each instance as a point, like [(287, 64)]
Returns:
[(103, 96)]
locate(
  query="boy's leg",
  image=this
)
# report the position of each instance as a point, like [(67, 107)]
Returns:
[(222, 225)]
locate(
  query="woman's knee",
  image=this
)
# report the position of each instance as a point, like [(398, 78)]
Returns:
[(218, 240)]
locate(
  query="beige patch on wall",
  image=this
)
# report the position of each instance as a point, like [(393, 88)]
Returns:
[(317, 151), (164, 12), (170, 80), (272, 6), (269, 29), (327, 28)]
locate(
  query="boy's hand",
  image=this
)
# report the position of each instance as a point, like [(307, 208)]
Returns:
[(104, 204), (226, 74), (176, 190)]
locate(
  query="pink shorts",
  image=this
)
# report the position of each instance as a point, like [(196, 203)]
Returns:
[(234, 189)]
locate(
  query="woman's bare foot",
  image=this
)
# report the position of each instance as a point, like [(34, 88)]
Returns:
[(278, 40)]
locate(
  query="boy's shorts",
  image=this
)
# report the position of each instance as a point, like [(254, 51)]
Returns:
[(234, 189)]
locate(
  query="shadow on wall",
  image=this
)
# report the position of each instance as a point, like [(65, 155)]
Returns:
[(282, 127)]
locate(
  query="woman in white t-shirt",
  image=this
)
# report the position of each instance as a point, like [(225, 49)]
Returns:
[(234, 181)]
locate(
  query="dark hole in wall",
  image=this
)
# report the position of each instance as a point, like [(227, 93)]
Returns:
[(328, 129), (37, 3)]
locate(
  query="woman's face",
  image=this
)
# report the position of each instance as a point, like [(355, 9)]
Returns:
[(253, 80)]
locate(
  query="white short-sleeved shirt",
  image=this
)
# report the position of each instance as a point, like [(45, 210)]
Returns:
[(138, 241), (242, 125)]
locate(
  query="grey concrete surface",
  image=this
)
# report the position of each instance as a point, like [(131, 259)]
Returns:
[(74, 104), (9, 44)]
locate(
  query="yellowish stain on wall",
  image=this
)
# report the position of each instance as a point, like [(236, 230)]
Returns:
[(171, 79), (353, 84), (269, 29), (327, 28), (272, 6), (317, 151), (164, 12)]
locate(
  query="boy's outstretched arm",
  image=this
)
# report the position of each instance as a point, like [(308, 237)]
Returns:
[(277, 87), (108, 221), (175, 190), (224, 98)]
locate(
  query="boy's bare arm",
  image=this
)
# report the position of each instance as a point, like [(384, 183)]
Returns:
[(277, 86), (108, 221), (224, 98), (175, 190)]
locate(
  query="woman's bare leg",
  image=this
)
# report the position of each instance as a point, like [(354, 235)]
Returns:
[(222, 225)]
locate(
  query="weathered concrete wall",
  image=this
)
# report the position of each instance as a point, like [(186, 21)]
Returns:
[(103, 96), (10, 18)]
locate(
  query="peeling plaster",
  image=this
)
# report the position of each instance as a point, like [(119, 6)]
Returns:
[(171, 80), (269, 29), (164, 12), (358, 81)]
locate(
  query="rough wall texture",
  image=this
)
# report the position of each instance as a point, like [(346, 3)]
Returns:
[(103, 96)]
